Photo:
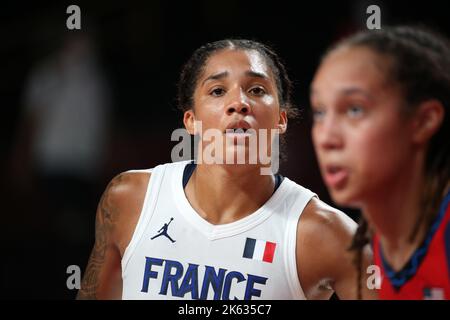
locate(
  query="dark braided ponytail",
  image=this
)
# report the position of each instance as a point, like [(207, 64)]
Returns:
[(421, 66)]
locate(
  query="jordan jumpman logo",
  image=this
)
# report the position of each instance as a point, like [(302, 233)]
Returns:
[(163, 231)]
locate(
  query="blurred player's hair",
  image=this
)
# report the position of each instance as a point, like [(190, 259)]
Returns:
[(419, 62)]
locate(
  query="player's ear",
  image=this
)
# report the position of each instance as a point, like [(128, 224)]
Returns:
[(282, 121), (427, 120), (189, 121)]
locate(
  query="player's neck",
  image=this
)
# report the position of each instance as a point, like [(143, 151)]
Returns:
[(394, 212), (221, 194)]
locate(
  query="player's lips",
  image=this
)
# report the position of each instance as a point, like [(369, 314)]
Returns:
[(238, 129), (335, 176), (239, 126)]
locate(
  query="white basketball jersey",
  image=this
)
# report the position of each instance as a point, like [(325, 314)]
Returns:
[(176, 254)]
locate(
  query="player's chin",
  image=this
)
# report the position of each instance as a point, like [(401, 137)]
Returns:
[(345, 196)]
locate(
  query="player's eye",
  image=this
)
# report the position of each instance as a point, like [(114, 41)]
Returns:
[(318, 114), (217, 92), (355, 111), (257, 91)]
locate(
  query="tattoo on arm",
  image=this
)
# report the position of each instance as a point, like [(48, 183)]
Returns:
[(104, 224)]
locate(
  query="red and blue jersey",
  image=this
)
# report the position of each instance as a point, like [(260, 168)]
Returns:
[(427, 273)]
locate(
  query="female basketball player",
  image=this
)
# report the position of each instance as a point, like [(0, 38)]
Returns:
[(380, 101), (221, 230)]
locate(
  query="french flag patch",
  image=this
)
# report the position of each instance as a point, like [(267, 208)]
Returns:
[(259, 250)]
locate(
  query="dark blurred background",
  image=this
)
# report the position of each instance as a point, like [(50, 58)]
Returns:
[(79, 107)]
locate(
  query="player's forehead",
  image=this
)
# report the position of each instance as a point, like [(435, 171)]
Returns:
[(236, 62), (350, 70)]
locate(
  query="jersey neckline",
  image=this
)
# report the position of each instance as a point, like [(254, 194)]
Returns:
[(399, 278), (217, 231)]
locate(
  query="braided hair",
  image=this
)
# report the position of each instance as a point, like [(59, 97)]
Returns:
[(420, 64)]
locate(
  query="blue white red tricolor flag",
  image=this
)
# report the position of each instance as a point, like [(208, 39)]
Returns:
[(259, 250)]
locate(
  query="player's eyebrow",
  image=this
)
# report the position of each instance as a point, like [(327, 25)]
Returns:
[(255, 74), (346, 92), (224, 74), (355, 90), (216, 76)]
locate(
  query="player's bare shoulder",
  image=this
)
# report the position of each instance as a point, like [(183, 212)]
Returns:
[(117, 214), (318, 216), (126, 194), (324, 235)]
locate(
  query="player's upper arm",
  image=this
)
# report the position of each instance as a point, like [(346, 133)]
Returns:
[(324, 261), (116, 218)]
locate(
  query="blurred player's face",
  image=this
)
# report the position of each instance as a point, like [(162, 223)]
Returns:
[(236, 90), (361, 137)]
